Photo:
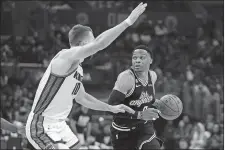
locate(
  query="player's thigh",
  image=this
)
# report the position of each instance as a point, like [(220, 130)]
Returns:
[(70, 139), (148, 141), (38, 135), (54, 134), (122, 140)]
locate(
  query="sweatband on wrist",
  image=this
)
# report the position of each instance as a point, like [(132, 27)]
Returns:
[(135, 115)]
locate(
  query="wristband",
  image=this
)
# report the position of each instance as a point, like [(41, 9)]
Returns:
[(135, 115), (128, 21), (140, 115)]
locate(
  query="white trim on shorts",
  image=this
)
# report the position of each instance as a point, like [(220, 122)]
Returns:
[(149, 140), (117, 127)]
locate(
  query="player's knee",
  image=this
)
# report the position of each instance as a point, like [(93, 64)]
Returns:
[(61, 146)]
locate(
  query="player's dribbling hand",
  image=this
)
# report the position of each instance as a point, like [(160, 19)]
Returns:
[(149, 114), (122, 109), (136, 13)]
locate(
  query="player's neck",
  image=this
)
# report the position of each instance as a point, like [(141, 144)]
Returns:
[(142, 74)]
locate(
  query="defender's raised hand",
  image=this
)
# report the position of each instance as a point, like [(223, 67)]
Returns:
[(136, 13)]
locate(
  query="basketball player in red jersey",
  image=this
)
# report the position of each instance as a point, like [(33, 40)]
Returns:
[(62, 83), (135, 88), (5, 125)]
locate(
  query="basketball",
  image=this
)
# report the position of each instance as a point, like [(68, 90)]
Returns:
[(170, 106)]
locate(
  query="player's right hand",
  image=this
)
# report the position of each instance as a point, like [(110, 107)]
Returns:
[(149, 114), (137, 12), (122, 109)]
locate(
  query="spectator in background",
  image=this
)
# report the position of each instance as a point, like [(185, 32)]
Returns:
[(215, 141), (179, 133), (160, 28), (135, 39), (4, 78), (18, 92), (189, 73), (215, 105), (197, 101), (100, 130), (199, 138), (183, 144), (6, 53), (170, 84), (207, 100), (21, 115), (209, 122), (81, 124), (107, 138), (187, 127), (187, 97), (169, 135), (145, 38)]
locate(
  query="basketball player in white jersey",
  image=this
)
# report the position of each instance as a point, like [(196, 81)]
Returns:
[(61, 83)]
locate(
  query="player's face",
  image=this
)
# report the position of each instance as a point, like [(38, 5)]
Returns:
[(87, 39), (141, 60)]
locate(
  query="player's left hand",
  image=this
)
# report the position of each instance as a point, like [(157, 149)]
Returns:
[(122, 109)]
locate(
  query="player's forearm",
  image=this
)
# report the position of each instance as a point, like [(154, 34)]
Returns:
[(107, 37), (117, 98), (100, 43), (92, 103), (5, 125), (127, 115)]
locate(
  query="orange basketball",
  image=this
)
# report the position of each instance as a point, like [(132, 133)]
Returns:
[(170, 106)]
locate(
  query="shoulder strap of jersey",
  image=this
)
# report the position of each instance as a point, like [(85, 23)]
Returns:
[(153, 85), (132, 70)]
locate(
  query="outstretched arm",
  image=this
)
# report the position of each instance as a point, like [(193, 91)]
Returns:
[(91, 102), (62, 63), (104, 39)]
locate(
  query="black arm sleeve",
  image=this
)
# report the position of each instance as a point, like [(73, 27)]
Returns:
[(117, 98)]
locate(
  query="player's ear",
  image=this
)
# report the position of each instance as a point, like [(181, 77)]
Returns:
[(151, 60)]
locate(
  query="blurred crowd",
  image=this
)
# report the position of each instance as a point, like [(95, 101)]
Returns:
[(189, 66), (188, 134)]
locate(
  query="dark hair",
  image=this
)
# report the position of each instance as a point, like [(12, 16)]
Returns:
[(144, 48), (76, 33)]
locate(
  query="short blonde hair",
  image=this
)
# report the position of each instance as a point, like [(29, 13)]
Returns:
[(76, 33)]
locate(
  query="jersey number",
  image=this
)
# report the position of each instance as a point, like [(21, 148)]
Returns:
[(76, 89)]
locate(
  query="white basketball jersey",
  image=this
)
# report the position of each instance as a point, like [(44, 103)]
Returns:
[(55, 94)]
